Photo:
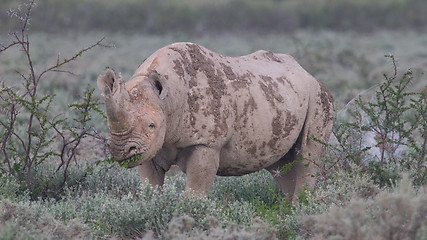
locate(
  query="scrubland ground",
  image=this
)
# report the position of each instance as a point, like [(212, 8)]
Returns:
[(353, 199)]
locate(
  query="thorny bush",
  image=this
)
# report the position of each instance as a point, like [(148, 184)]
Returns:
[(28, 127), (387, 134)]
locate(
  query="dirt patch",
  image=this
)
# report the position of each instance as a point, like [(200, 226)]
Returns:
[(194, 60), (276, 124), (285, 80), (194, 106), (282, 127), (262, 149), (186, 66), (269, 87), (326, 100), (201, 63), (179, 69), (272, 142), (290, 123), (228, 72), (281, 80), (252, 150), (249, 105), (242, 82), (270, 55)]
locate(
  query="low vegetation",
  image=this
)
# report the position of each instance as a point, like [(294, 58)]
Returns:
[(56, 181)]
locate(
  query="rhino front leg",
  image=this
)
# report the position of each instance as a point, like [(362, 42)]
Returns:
[(200, 163), (152, 172)]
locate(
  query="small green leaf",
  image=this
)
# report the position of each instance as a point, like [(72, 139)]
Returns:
[(132, 159)]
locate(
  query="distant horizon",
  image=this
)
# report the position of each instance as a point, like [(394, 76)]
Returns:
[(197, 17)]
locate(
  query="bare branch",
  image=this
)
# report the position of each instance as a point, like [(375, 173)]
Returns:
[(65, 71), (9, 129), (14, 43), (31, 107), (74, 57), (27, 16)]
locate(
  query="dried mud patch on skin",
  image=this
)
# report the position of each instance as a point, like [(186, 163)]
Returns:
[(269, 87), (290, 123), (262, 149), (252, 150), (284, 80), (242, 82), (282, 128), (276, 124), (326, 100), (270, 55), (249, 105), (228, 71), (186, 65), (201, 63), (179, 69), (194, 106), (272, 142), (194, 60)]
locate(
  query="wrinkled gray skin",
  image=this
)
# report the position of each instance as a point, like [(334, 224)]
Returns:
[(216, 115)]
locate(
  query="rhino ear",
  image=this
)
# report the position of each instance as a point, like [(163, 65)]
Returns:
[(107, 83), (159, 84)]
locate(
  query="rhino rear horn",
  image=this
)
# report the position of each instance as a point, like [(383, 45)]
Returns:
[(121, 93)]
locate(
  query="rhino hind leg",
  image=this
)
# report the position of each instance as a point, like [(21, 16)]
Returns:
[(286, 182), (304, 157), (310, 153), (307, 151)]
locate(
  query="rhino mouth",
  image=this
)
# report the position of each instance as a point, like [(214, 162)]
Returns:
[(130, 162)]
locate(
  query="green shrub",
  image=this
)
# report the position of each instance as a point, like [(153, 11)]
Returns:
[(10, 188), (113, 181), (259, 185), (343, 185), (145, 209), (386, 135)]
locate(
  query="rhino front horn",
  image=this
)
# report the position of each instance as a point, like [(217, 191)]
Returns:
[(115, 96), (118, 119)]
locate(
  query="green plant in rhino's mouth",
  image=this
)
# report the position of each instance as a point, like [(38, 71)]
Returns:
[(132, 159)]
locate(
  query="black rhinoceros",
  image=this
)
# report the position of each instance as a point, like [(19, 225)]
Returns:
[(216, 115)]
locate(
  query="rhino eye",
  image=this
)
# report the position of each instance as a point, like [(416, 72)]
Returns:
[(152, 125)]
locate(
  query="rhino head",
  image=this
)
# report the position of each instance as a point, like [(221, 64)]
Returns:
[(135, 116)]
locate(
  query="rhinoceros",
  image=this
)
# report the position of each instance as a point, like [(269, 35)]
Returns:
[(212, 114)]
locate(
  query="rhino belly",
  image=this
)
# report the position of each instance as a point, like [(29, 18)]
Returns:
[(241, 156), (242, 167)]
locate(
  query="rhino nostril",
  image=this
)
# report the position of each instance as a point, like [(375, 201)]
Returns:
[(132, 149)]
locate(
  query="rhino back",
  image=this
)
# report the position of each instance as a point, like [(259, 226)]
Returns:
[(251, 108)]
